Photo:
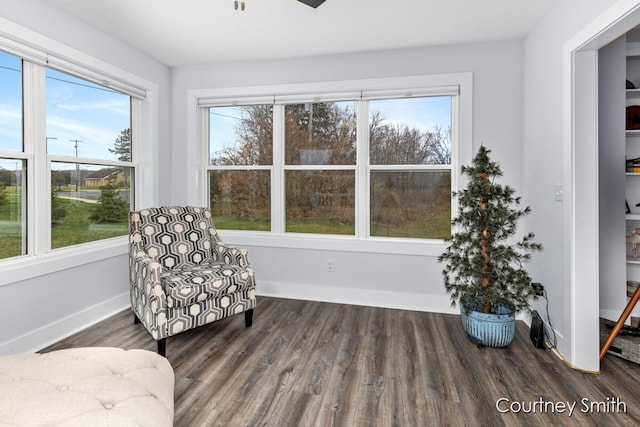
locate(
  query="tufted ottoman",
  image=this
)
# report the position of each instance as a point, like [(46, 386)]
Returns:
[(93, 386)]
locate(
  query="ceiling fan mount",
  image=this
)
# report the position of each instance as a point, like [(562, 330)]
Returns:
[(312, 3)]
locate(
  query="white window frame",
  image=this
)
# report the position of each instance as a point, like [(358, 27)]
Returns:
[(43, 239), (364, 148), (38, 52), (281, 168), (276, 156), (429, 85)]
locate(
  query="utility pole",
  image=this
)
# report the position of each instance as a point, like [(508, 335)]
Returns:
[(75, 145)]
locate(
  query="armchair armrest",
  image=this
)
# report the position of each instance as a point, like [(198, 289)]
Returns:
[(147, 294), (230, 254)]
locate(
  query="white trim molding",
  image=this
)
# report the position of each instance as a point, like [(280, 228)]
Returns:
[(580, 217)]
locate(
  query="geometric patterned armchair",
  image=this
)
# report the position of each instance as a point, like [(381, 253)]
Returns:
[(181, 275)]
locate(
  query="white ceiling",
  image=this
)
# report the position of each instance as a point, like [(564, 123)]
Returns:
[(186, 32)]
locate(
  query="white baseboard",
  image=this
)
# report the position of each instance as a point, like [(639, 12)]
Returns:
[(366, 297), (47, 335), (42, 337), (56, 331)]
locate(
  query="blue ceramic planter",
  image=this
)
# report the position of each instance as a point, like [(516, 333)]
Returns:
[(492, 330)]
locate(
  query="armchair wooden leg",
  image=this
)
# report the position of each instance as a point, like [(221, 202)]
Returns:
[(162, 347), (136, 320), (248, 318)]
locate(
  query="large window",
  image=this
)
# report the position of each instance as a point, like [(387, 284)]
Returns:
[(241, 159), (89, 147), (319, 167), (71, 158), (376, 166), (410, 167), (13, 235)]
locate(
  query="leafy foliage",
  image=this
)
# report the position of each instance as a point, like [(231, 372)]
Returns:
[(328, 131), (7, 176), (58, 209), (3, 194), (110, 208), (60, 178), (394, 144), (122, 146), (483, 269)]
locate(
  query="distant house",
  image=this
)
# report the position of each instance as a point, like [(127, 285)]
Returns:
[(103, 177)]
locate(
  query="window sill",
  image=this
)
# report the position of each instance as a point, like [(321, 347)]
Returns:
[(397, 246), (30, 266)]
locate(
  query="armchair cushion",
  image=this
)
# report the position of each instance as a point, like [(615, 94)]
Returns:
[(175, 236), (191, 284)]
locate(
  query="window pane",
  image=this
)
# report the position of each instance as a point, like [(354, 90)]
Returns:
[(321, 202), (86, 120), (410, 131), (241, 200), (241, 135), (12, 208), (89, 202), (10, 102), (411, 204), (320, 134)]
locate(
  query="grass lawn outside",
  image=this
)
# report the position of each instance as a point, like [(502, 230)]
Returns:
[(241, 223), (428, 227), (76, 228), (11, 223), (433, 227), (320, 226)]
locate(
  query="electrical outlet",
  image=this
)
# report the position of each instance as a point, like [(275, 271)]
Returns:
[(538, 289), (330, 265)]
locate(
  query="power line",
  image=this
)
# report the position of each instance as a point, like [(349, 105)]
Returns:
[(91, 86), (225, 115), (10, 69)]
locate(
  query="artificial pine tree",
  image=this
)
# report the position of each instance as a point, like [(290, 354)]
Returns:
[(484, 266)]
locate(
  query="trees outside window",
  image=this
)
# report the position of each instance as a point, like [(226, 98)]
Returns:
[(317, 156), (110, 207), (319, 167), (410, 167), (122, 146), (241, 159), (69, 125)]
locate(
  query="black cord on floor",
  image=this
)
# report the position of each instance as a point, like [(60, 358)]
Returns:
[(554, 343)]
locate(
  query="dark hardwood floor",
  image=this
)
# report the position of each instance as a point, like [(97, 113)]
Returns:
[(318, 364)]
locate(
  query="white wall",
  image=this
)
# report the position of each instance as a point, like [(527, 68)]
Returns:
[(547, 164), (39, 309), (373, 277)]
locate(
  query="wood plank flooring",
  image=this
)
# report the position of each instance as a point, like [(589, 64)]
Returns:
[(308, 363)]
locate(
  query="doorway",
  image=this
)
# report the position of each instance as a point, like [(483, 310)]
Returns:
[(580, 148)]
